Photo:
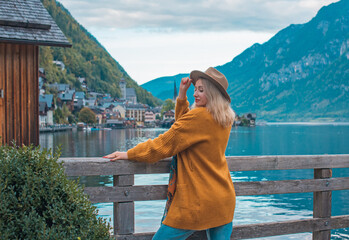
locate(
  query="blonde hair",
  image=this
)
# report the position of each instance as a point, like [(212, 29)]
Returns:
[(217, 104)]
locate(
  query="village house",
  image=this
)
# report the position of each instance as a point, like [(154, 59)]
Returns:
[(79, 100), (114, 123), (108, 106), (169, 115), (121, 109), (59, 87), (46, 109), (157, 112), (67, 98), (90, 102), (251, 117), (149, 116), (136, 112), (103, 103), (43, 114), (25, 26), (95, 95)]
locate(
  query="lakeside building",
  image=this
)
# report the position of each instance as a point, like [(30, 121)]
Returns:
[(251, 117), (46, 109), (121, 109), (114, 123), (25, 26), (136, 111), (169, 115), (149, 116)]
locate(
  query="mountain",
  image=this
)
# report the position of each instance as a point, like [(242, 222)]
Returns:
[(86, 58), (300, 74), (163, 87)]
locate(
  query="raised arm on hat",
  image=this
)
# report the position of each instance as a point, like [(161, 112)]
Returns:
[(182, 104)]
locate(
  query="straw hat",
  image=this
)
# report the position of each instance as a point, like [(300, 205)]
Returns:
[(214, 76)]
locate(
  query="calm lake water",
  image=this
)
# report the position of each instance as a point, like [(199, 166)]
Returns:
[(271, 139)]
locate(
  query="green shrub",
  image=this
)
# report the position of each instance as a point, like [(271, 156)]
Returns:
[(38, 201)]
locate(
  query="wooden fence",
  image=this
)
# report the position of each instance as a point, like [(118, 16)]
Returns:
[(123, 193)]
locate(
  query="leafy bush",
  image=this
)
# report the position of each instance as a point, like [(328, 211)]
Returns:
[(38, 201), (86, 115)]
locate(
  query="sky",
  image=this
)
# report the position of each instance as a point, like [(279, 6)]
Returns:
[(156, 38)]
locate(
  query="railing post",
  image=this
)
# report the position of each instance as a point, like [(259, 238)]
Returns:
[(124, 211), (322, 204)]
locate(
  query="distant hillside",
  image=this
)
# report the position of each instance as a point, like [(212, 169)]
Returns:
[(87, 58), (300, 74), (163, 88)]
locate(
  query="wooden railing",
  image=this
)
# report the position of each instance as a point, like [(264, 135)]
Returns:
[(123, 193)]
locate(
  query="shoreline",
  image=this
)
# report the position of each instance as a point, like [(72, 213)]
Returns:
[(303, 123)]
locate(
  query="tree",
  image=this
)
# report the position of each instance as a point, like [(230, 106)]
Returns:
[(38, 201), (58, 116), (65, 111), (168, 105), (86, 115)]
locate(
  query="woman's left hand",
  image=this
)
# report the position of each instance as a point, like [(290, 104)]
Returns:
[(117, 156), (185, 84)]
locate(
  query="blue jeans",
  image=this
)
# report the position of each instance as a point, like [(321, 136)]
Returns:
[(217, 233)]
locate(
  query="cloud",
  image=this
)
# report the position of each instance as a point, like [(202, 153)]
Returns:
[(194, 15)]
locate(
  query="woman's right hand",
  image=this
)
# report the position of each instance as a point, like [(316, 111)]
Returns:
[(185, 84), (117, 156)]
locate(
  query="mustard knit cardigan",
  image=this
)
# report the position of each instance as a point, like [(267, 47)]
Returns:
[(205, 195)]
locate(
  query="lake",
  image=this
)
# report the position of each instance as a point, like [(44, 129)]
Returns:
[(270, 139)]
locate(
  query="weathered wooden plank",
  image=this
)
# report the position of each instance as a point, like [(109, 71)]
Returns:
[(35, 80), (322, 203), (124, 180), (158, 192), (2, 91), (124, 222), (126, 194), (282, 162), (17, 95), (270, 229), (31, 101), (289, 227), (24, 94), (9, 94), (290, 186), (101, 166), (124, 218)]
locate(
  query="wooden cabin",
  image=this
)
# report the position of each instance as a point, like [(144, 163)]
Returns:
[(24, 26)]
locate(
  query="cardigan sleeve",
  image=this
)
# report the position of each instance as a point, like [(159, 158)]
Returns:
[(182, 107), (184, 133)]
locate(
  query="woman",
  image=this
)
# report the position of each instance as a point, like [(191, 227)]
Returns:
[(204, 193)]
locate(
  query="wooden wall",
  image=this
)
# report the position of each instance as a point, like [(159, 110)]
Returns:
[(19, 107)]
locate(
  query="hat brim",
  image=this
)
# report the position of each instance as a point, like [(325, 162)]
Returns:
[(196, 74)]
